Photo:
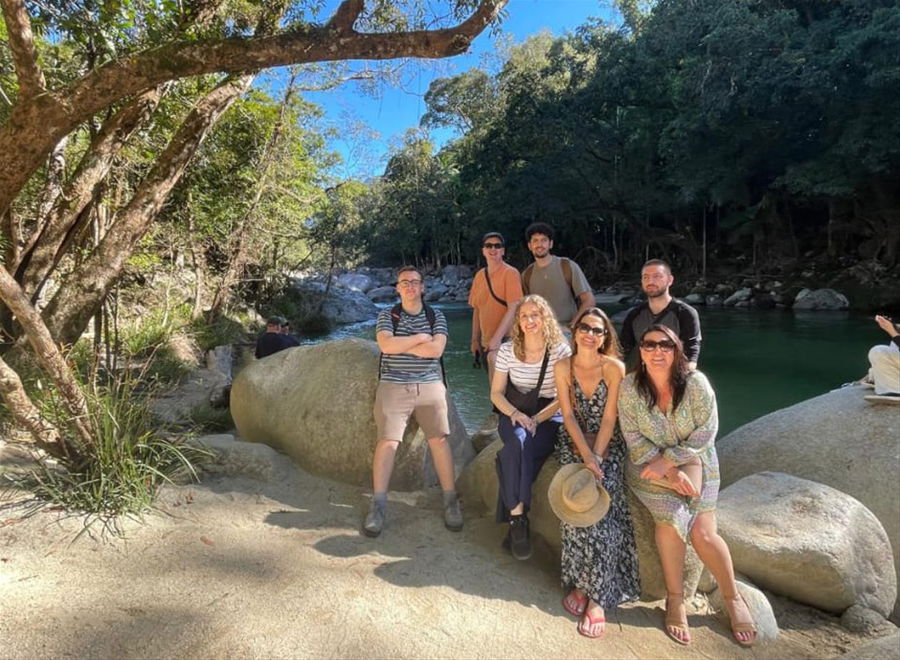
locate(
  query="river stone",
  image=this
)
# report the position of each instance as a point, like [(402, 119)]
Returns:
[(341, 305), (233, 458), (741, 295), (695, 299), (859, 619), (808, 541), (383, 294), (356, 281), (883, 648), (450, 275), (714, 300), (837, 439), (821, 299), (315, 402), (759, 606), (478, 483)]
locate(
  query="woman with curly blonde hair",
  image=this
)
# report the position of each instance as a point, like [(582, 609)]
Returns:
[(524, 392)]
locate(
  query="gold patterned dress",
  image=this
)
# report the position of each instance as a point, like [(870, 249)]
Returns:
[(679, 435)]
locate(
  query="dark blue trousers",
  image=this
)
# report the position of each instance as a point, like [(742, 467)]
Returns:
[(520, 461)]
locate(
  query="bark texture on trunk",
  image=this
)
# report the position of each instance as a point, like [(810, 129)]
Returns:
[(81, 295), (26, 415), (48, 354)]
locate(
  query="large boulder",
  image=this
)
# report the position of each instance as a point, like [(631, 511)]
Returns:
[(383, 294), (827, 299), (341, 305), (315, 402), (809, 542), (837, 439), (356, 281), (478, 483)]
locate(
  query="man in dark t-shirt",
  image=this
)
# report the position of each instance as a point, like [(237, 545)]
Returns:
[(661, 308), (272, 341)]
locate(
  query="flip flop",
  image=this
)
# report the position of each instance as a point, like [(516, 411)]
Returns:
[(574, 605), (883, 398), (591, 622)]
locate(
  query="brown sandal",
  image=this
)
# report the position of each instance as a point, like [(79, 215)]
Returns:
[(743, 627), (676, 621)]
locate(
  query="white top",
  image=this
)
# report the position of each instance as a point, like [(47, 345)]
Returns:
[(524, 375)]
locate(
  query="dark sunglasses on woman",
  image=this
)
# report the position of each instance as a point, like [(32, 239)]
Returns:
[(664, 345), (585, 328)]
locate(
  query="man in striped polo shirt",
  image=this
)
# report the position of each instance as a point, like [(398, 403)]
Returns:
[(411, 383)]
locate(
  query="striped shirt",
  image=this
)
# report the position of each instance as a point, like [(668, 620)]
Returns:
[(524, 375), (403, 367)]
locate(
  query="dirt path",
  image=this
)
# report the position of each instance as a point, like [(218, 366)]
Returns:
[(238, 568)]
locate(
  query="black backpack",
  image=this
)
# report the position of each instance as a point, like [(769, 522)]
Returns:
[(395, 321)]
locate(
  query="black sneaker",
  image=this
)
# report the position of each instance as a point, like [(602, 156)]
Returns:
[(519, 537)]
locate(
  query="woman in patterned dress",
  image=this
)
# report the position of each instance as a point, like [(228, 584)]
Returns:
[(669, 419), (599, 562)]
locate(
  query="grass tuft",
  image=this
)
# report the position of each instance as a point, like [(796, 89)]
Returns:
[(122, 471)]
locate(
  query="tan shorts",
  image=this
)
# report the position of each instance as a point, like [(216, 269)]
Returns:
[(395, 402)]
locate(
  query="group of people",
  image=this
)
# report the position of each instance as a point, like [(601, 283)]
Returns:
[(558, 384)]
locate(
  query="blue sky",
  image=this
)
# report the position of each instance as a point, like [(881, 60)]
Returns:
[(380, 121)]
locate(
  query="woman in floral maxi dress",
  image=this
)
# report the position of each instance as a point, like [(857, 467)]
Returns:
[(599, 562)]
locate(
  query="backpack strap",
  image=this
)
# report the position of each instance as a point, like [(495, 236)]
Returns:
[(526, 278), (566, 265)]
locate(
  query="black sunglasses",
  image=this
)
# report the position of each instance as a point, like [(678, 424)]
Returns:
[(585, 328), (493, 246), (665, 345)]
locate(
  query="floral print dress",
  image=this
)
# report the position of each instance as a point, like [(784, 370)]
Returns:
[(601, 560), (684, 433)]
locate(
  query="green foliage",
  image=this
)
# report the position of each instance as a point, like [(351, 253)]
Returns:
[(218, 332), (149, 340), (123, 470), (761, 129), (207, 419)]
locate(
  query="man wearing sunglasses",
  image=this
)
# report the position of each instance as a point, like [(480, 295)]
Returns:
[(496, 290), (661, 308), (558, 280)]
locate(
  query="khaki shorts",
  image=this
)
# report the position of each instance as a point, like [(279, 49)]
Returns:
[(395, 402)]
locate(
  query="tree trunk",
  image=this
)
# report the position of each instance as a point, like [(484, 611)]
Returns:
[(48, 355), (26, 415), (83, 291), (67, 215)]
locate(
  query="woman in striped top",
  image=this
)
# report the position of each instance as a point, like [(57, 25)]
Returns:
[(528, 424)]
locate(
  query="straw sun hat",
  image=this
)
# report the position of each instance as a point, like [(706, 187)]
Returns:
[(575, 496)]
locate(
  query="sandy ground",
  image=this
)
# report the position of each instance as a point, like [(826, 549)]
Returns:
[(239, 568)]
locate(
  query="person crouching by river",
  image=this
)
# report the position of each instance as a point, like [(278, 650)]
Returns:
[(669, 420), (524, 393), (599, 560)]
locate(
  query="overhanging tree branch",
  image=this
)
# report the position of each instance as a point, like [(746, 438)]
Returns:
[(37, 123)]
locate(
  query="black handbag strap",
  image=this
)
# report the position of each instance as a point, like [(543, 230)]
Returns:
[(491, 288), (543, 370)]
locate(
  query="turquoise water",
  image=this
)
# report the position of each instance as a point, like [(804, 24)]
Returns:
[(757, 360)]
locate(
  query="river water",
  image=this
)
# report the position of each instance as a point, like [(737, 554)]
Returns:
[(757, 360)]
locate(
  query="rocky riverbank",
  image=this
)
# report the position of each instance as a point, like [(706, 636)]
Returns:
[(353, 295)]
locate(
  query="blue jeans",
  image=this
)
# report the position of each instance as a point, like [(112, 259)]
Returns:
[(520, 461)]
